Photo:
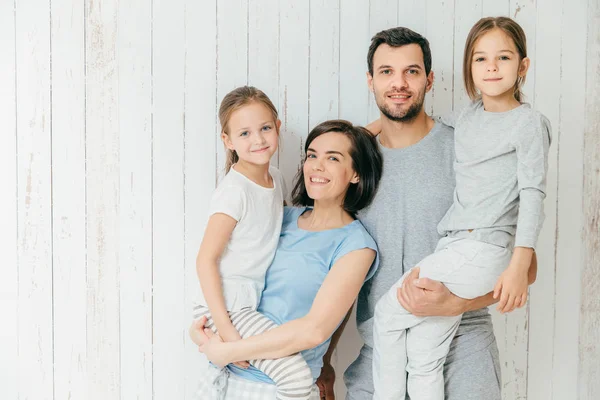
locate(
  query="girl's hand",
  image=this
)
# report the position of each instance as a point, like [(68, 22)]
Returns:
[(199, 337), (214, 349), (374, 127), (512, 289)]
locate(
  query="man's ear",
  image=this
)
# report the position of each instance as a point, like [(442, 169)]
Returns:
[(370, 81), (430, 78), (227, 141)]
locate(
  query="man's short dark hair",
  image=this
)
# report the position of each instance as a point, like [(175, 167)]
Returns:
[(367, 162), (398, 37)]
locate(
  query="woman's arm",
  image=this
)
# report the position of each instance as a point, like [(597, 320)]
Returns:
[(217, 234), (333, 300)]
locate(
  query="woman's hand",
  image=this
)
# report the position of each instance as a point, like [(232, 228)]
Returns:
[(199, 336), (425, 297), (214, 349)]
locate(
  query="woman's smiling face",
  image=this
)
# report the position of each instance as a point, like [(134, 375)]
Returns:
[(328, 170)]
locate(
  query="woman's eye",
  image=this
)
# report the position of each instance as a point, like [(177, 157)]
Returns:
[(266, 128), (504, 58), (310, 156), (245, 133), (478, 59), (332, 158)]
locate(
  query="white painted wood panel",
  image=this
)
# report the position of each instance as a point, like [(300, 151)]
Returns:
[(102, 194), (293, 85), (9, 275), (588, 387), (355, 38), (69, 199), (200, 140), (35, 375), (134, 49), (545, 63), (324, 61), (440, 33), (168, 236), (570, 189), (109, 145)]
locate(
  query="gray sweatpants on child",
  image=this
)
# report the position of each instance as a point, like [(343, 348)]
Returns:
[(419, 345), (292, 376)]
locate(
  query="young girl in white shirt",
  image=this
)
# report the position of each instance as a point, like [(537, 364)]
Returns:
[(242, 233)]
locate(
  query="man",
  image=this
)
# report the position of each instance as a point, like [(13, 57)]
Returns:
[(415, 192)]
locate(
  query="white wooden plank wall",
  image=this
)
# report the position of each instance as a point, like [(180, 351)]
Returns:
[(109, 151)]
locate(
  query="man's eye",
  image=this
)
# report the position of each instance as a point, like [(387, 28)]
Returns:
[(413, 71), (386, 72)]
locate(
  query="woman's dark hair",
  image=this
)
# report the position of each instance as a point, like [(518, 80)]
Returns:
[(366, 162)]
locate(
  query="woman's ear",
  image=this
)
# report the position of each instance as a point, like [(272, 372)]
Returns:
[(227, 141), (355, 179)]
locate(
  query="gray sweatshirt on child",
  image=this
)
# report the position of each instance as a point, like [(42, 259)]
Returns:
[(501, 163)]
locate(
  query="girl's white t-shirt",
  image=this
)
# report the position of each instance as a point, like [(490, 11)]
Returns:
[(251, 248)]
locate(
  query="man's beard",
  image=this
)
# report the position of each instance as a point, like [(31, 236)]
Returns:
[(403, 116)]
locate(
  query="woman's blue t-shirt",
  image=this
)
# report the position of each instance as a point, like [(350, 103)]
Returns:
[(301, 263)]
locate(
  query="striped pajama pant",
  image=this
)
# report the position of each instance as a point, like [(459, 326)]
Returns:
[(292, 376)]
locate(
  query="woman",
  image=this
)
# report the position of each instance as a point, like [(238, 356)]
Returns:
[(323, 257)]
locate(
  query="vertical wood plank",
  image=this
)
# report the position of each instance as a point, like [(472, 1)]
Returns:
[(440, 33), (324, 61), (135, 195), (232, 57), (200, 161), (355, 38), (34, 140), (383, 14), (546, 62), (495, 8), (412, 14), (68, 198), (294, 31), (169, 313), (589, 324), (9, 277), (102, 188), (466, 14), (569, 249)]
